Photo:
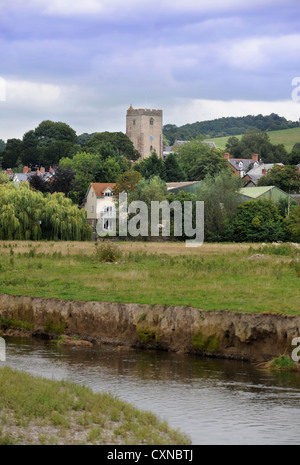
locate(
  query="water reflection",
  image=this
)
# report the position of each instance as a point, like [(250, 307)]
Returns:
[(213, 401)]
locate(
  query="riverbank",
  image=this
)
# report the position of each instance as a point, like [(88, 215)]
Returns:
[(38, 411), (223, 334)]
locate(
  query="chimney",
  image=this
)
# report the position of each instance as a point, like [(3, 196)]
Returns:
[(226, 156), (255, 157), (9, 171), (42, 170), (38, 172), (264, 172), (50, 169), (25, 170)]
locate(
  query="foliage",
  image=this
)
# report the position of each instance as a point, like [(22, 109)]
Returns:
[(148, 190), (108, 252), (283, 362), (286, 178), (256, 221), (294, 157), (127, 181), (119, 142), (256, 142), (4, 178), (199, 160), (221, 199), (173, 171), (11, 153), (293, 225), (151, 166), (93, 167), (229, 126), (26, 214)]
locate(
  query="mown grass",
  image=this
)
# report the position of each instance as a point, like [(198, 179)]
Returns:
[(34, 410), (212, 277)]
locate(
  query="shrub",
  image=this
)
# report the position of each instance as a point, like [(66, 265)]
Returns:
[(108, 252)]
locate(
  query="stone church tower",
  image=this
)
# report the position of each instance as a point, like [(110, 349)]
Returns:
[(144, 129)]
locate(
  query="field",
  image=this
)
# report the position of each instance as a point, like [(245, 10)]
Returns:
[(237, 277), (287, 137)]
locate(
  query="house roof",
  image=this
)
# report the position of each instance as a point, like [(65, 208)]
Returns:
[(255, 192), (235, 163), (99, 187), (175, 185)]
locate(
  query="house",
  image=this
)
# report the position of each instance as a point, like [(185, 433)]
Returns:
[(18, 178), (264, 192), (100, 205), (240, 166), (176, 187), (252, 177)]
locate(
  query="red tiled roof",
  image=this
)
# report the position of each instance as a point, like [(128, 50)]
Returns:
[(100, 187)]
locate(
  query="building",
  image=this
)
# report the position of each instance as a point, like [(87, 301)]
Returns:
[(46, 176), (252, 177), (144, 129), (100, 205), (240, 166), (188, 187), (265, 192)]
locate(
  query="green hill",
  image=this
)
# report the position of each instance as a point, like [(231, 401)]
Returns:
[(287, 137)]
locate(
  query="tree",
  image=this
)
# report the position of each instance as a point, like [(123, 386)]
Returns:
[(257, 221), (11, 153), (26, 214), (119, 142), (294, 157), (256, 142), (284, 177), (127, 181), (48, 132), (293, 225), (151, 166), (173, 170), (198, 160), (221, 199), (62, 180)]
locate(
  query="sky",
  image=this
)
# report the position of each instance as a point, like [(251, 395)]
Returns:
[(85, 62)]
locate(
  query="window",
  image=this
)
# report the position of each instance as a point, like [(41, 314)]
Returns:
[(92, 209), (108, 194), (93, 193), (151, 148), (133, 122), (151, 121)]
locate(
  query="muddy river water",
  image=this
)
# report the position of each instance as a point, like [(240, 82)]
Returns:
[(213, 401)]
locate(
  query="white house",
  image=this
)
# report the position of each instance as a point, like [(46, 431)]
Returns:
[(100, 205)]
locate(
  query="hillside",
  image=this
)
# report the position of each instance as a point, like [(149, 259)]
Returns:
[(287, 137), (226, 127)]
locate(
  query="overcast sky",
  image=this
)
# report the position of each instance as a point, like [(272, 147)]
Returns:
[(85, 62)]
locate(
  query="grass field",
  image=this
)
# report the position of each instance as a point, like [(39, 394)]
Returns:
[(287, 137), (211, 277)]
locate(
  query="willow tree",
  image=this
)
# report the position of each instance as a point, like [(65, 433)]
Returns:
[(26, 214)]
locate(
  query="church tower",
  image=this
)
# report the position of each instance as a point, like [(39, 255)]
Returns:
[(144, 129)]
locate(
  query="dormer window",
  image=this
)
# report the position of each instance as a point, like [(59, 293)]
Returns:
[(241, 164), (108, 194)]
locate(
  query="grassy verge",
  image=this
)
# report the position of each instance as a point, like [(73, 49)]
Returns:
[(232, 277), (34, 410)]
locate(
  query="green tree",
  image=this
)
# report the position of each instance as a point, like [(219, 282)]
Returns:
[(284, 177), (293, 225), (151, 166), (26, 214), (256, 141), (11, 153), (117, 140), (173, 170), (257, 221), (127, 181), (221, 199), (48, 132), (199, 160)]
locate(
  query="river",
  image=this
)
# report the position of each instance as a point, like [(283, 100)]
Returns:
[(213, 401)]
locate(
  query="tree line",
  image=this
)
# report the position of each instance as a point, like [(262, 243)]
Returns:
[(229, 126)]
